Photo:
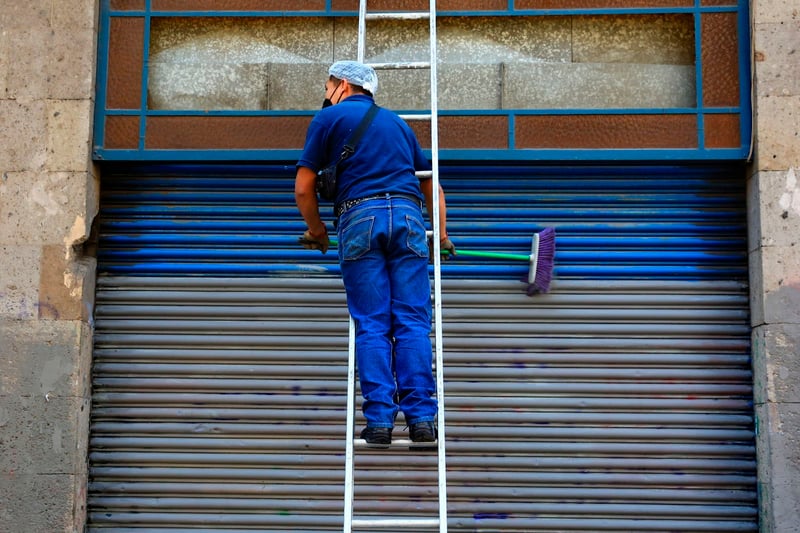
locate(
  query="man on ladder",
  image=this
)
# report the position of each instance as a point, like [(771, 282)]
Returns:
[(383, 254), (383, 249)]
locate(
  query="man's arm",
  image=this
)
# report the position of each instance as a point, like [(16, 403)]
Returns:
[(305, 195), (427, 190)]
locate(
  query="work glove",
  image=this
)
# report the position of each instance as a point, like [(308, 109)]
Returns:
[(311, 242), (445, 246)]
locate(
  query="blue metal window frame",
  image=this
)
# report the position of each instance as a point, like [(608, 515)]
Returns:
[(701, 153)]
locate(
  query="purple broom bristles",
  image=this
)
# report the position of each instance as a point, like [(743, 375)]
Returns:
[(542, 262)]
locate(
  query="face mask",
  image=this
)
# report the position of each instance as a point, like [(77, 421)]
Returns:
[(327, 102)]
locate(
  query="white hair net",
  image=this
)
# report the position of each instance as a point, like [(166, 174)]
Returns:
[(355, 73)]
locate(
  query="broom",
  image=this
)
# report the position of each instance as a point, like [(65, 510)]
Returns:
[(540, 260)]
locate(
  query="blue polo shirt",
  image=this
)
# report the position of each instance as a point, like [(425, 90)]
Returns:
[(384, 161)]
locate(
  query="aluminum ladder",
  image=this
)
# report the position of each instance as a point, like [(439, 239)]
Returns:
[(389, 523)]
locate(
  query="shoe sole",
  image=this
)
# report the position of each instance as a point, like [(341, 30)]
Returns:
[(378, 445)]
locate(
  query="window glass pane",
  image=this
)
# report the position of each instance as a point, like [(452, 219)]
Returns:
[(559, 62)]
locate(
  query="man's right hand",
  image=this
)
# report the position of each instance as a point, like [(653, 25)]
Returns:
[(311, 241)]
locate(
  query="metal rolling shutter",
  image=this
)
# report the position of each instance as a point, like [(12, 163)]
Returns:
[(621, 401)]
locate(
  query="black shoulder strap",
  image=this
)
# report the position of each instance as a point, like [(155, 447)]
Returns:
[(355, 137)]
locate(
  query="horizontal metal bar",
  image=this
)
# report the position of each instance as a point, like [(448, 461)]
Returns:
[(578, 509), (408, 15), (524, 458), (403, 477), (392, 523), (408, 65), (484, 433), (509, 493), (415, 116)]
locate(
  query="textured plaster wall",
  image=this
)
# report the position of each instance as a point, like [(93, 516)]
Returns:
[(48, 198), (556, 62), (774, 222)]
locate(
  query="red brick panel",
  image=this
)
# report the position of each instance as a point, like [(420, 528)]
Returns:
[(226, 133), (422, 129), (125, 59), (127, 5), (473, 132), (722, 131), (599, 4), (718, 3), (606, 131), (466, 132), (122, 132), (238, 5), (720, 59)]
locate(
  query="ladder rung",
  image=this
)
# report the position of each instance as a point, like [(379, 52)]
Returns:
[(395, 522), (416, 116), (407, 15), (424, 173), (402, 65), (397, 443)]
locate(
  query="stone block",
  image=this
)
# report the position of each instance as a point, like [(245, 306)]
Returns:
[(485, 78), (776, 64), (598, 86), (220, 64), (19, 286), (774, 208), (666, 39), (778, 11), (34, 14), (455, 79), (195, 86), (779, 437), (23, 137), (6, 56), (66, 288), (29, 67), (74, 15), (300, 86), (69, 127), (45, 358), (775, 285), (779, 506), (43, 435), (775, 363), (41, 503), (71, 64), (777, 129), (47, 208), (778, 465)]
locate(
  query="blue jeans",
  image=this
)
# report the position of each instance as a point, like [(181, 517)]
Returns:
[(383, 253)]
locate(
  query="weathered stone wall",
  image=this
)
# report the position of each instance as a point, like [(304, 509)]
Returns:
[(774, 196), (48, 198)]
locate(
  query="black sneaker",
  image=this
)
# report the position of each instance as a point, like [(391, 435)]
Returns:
[(377, 437), (422, 432)]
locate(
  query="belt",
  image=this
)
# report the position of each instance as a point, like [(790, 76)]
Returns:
[(345, 206)]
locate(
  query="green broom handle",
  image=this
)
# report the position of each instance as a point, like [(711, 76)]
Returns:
[(475, 253), (495, 255)]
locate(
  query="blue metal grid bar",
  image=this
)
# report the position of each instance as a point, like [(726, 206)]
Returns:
[(701, 153)]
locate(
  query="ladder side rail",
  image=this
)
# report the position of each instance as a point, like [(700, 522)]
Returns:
[(349, 474), (362, 30), (349, 481), (437, 271)]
